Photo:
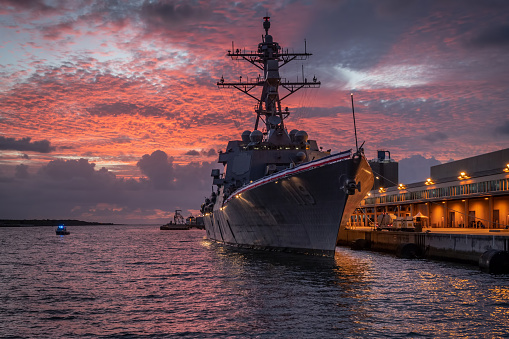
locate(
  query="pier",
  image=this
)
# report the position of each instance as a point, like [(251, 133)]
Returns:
[(483, 247)]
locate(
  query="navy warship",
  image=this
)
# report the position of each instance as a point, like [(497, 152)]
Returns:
[(279, 190)]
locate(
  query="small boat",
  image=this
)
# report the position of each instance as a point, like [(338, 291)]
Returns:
[(61, 230), (172, 226), (177, 224)]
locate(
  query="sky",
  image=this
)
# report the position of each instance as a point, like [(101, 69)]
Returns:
[(110, 112)]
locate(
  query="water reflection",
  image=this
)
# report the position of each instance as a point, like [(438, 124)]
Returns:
[(357, 293), (137, 281), (297, 293)]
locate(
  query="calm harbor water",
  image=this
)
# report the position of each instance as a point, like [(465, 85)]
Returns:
[(138, 281)]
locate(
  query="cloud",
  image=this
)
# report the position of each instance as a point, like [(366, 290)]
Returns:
[(24, 144), (123, 139), (67, 169), (158, 168), (34, 5), (75, 189), (120, 108), (21, 171), (192, 153), (435, 136), (208, 153), (503, 129), (171, 14), (194, 175), (211, 152), (494, 36), (415, 168), (114, 80)]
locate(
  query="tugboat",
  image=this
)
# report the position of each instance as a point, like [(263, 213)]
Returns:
[(61, 230), (177, 224), (279, 190)]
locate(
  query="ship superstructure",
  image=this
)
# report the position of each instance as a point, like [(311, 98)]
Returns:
[(278, 190)]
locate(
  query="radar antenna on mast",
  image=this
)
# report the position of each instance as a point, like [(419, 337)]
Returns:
[(269, 58)]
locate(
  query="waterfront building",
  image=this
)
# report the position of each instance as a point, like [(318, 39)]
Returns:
[(468, 193), (385, 170)]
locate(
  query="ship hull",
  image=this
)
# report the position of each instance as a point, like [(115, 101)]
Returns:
[(299, 210)]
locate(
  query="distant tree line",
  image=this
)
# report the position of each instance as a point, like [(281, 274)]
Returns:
[(48, 222)]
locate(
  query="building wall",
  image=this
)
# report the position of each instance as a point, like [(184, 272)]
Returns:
[(437, 215), (480, 163), (502, 205), (386, 174), (481, 200), (457, 208)]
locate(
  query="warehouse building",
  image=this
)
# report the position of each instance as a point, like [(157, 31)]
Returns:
[(468, 193)]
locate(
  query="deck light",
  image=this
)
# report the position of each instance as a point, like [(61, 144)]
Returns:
[(401, 187), (381, 190), (429, 182), (506, 169), (463, 175)]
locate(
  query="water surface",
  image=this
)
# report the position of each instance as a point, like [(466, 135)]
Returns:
[(139, 281)]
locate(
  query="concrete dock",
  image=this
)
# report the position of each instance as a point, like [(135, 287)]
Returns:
[(487, 248)]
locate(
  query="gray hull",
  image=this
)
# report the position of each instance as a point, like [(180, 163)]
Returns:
[(300, 210)]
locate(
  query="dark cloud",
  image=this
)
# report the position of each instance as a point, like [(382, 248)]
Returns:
[(304, 112), (503, 129), (195, 176), (75, 189), (415, 168), (121, 139), (158, 167), (25, 5), (192, 153), (495, 36), (62, 170), (119, 108), (24, 144), (21, 171), (211, 152), (55, 32), (360, 32), (65, 147), (435, 136), (208, 153), (172, 14)]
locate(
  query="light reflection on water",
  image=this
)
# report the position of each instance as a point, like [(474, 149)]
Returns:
[(138, 281)]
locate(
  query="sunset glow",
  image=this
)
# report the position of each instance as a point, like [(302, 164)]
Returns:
[(109, 111)]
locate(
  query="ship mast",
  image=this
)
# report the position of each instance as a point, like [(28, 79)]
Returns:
[(269, 58)]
